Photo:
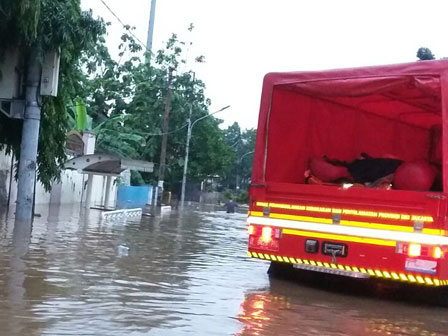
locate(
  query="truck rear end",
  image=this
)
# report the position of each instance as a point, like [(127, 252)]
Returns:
[(347, 226)]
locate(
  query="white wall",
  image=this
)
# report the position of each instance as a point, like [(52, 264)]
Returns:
[(5, 167), (99, 190), (71, 189)]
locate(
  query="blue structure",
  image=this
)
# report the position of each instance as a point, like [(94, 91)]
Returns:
[(133, 196)]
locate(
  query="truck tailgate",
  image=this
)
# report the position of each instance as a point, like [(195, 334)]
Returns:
[(391, 207)]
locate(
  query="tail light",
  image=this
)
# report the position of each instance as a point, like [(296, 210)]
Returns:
[(437, 252), (266, 234), (264, 237), (414, 250)]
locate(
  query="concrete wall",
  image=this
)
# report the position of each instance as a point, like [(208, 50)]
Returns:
[(71, 189), (5, 167), (99, 191)]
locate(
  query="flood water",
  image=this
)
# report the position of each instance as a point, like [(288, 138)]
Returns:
[(178, 274)]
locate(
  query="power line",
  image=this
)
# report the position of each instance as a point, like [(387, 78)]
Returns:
[(170, 132), (124, 25), (176, 130), (152, 134)]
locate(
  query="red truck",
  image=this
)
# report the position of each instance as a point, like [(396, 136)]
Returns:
[(349, 172)]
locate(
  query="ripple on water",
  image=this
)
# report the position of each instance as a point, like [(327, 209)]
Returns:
[(184, 274)]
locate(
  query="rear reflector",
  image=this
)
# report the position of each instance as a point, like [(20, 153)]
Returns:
[(251, 229)]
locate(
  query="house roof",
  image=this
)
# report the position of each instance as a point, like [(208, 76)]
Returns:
[(105, 164)]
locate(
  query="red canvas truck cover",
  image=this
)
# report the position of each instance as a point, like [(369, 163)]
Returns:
[(398, 112)]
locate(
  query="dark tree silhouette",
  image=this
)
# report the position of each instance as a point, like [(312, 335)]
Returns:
[(425, 54)]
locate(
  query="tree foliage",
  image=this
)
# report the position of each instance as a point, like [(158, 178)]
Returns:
[(122, 100), (243, 144), (126, 100), (48, 25), (425, 54)]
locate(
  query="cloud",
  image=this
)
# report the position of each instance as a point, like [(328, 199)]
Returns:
[(243, 40)]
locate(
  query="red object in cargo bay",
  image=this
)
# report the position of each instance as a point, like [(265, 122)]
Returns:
[(326, 171), (417, 175), (398, 111)]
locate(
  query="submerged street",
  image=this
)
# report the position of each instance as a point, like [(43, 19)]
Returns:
[(179, 274)]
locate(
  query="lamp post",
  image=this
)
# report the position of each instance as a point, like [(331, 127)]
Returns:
[(187, 148), (238, 163)]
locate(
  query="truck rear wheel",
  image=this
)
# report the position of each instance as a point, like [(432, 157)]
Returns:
[(280, 269)]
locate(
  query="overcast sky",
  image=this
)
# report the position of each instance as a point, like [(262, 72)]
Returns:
[(242, 40)]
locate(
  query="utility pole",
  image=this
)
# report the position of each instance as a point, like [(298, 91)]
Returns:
[(164, 138), (187, 151), (152, 16), (30, 137)]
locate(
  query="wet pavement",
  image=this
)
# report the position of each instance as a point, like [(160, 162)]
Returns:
[(179, 274)]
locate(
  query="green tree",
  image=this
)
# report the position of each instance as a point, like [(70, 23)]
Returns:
[(48, 25), (126, 100), (246, 156), (243, 144)]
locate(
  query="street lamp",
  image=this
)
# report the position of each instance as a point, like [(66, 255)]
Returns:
[(187, 149), (244, 155), (238, 163)]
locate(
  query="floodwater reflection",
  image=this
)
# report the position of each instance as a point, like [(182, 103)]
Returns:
[(286, 308), (182, 274)]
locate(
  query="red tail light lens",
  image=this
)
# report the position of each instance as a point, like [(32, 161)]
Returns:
[(418, 250), (264, 237)]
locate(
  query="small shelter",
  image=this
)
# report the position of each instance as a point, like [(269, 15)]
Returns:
[(105, 165)]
